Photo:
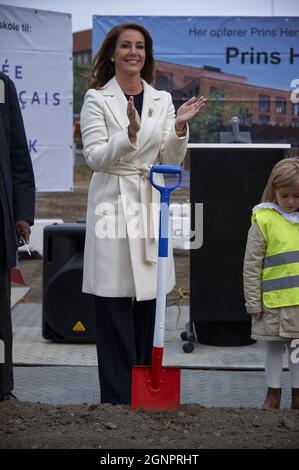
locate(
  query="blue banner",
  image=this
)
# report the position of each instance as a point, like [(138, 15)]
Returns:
[(245, 66)]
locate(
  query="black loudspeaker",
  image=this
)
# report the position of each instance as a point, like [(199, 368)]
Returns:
[(229, 182), (68, 314)]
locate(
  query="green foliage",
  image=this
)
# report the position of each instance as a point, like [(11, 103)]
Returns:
[(80, 74), (82, 173), (215, 116)]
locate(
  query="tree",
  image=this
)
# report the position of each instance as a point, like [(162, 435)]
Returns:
[(215, 117), (80, 74)]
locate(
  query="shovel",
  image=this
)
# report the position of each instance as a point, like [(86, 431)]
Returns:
[(157, 387)]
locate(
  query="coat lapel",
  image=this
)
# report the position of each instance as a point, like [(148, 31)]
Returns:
[(116, 102), (151, 108)]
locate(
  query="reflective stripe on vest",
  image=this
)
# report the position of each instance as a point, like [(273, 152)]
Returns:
[(283, 283), (280, 275), (282, 258)]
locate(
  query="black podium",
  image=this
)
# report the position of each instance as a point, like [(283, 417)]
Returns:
[(229, 180)]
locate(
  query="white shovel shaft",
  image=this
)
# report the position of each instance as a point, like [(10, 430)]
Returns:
[(161, 302)]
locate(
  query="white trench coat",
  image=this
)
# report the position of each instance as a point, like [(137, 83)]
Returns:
[(117, 264)]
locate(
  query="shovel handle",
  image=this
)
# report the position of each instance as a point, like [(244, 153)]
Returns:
[(164, 207), (166, 170), (162, 266)]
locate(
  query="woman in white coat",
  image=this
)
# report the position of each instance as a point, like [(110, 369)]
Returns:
[(126, 126)]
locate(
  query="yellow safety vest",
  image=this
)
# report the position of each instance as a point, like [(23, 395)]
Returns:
[(280, 275)]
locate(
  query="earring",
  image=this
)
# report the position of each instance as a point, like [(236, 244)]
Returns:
[(112, 60)]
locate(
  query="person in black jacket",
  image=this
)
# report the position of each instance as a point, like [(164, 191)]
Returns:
[(17, 194)]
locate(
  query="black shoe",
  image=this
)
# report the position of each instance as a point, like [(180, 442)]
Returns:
[(7, 396)]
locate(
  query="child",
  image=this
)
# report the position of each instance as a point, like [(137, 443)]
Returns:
[(271, 277)]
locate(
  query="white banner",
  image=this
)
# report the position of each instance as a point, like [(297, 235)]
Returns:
[(36, 53)]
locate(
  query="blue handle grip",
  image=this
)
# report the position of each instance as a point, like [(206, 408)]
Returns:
[(164, 208), (166, 170)]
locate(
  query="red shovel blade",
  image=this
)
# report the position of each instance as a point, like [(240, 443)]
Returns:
[(164, 397)]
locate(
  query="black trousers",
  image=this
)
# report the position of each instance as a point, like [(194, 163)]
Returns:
[(124, 338), (6, 370)]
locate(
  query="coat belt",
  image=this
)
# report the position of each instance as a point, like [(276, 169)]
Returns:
[(149, 199)]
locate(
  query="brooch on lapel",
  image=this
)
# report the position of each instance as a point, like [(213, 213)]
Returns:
[(150, 112)]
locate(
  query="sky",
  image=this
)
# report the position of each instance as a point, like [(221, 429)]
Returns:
[(82, 11)]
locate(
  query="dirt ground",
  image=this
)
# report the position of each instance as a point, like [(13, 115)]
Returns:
[(39, 426)]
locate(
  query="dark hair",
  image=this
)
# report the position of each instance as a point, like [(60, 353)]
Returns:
[(102, 69)]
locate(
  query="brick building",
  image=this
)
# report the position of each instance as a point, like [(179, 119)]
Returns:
[(82, 41), (266, 106)]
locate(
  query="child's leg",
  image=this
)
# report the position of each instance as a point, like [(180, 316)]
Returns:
[(294, 373), (273, 368), (273, 362)]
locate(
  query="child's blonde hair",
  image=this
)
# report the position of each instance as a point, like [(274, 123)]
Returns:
[(284, 174)]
